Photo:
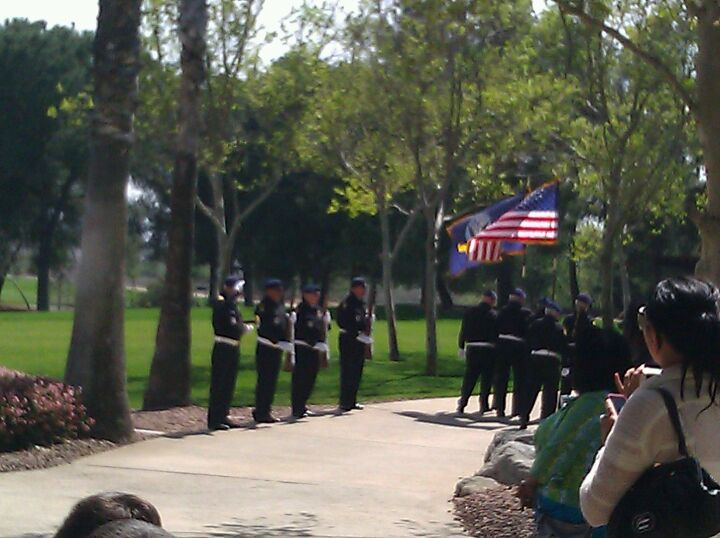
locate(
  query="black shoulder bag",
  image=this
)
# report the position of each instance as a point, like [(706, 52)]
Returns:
[(673, 500)]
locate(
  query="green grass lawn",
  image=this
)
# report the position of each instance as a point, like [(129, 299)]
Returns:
[(38, 342)]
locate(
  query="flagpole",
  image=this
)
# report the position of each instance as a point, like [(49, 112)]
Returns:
[(555, 276)]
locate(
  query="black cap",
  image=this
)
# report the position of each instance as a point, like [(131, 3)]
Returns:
[(233, 280), (491, 294), (552, 305), (273, 284), (584, 298), (358, 281), (518, 292), (311, 288)]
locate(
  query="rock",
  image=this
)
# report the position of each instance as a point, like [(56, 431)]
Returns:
[(473, 484), (509, 463), (508, 436)]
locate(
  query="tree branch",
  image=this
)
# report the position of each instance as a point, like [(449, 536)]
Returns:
[(264, 195), (209, 213), (402, 236), (648, 57)]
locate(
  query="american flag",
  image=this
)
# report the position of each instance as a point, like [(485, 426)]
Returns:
[(534, 220)]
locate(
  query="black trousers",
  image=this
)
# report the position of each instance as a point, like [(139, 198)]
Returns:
[(511, 355), (307, 365), (352, 362), (267, 364), (479, 364), (544, 373), (225, 361), (566, 383)]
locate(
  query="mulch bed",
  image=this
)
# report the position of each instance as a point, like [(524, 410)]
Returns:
[(494, 513), (175, 422)]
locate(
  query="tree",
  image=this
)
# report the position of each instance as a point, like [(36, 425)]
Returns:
[(632, 158), (96, 361), (169, 382), (697, 88), (45, 75)]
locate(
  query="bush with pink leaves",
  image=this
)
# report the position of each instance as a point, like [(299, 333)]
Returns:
[(38, 411)]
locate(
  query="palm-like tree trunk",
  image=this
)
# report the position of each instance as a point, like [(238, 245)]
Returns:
[(96, 361), (169, 383)]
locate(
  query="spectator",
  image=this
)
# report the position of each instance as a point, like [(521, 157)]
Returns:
[(568, 440), (681, 326), (93, 512)]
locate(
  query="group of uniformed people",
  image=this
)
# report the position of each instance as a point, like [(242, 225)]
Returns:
[(300, 335), (535, 347)]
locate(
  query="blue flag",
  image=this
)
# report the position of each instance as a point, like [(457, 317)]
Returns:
[(463, 229)]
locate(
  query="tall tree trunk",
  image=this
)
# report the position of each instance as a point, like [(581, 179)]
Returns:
[(433, 218), (625, 279), (42, 266), (708, 89), (169, 383), (96, 360), (606, 278), (213, 290), (2, 285), (387, 280), (249, 291)]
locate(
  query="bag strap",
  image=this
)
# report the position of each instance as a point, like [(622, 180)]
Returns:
[(675, 420)]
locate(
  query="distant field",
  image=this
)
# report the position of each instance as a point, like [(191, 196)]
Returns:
[(37, 343)]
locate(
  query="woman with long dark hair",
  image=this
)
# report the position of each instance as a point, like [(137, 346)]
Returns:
[(681, 327)]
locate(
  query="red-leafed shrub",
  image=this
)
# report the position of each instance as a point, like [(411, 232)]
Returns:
[(38, 411)]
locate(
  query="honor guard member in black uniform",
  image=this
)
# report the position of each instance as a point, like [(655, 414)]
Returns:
[(547, 344), (229, 328), (352, 318), (310, 343), (272, 330), (511, 352), (573, 325), (478, 335)]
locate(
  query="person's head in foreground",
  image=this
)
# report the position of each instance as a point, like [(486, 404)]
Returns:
[(681, 327), (130, 528), (567, 441), (94, 512)]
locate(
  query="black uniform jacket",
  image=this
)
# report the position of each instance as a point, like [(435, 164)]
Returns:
[(575, 324), (352, 316), (310, 324), (547, 333), (226, 319), (272, 320), (513, 320), (479, 324)]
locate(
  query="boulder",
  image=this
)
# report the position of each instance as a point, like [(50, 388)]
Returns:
[(508, 436), (510, 463), (473, 484)]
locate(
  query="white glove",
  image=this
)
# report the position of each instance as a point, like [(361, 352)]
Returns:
[(461, 353), (327, 318), (364, 339), (322, 347), (288, 347), (249, 327)]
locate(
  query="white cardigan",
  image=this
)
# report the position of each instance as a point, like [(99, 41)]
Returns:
[(643, 436)]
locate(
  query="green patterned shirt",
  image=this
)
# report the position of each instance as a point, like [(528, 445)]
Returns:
[(566, 444)]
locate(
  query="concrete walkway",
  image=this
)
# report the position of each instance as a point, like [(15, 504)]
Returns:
[(386, 471)]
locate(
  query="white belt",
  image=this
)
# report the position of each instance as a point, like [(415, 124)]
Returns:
[(226, 340), (316, 347), (268, 343), (479, 344), (302, 343), (546, 353), (511, 337)]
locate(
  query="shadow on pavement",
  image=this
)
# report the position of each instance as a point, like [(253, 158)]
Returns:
[(443, 418)]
